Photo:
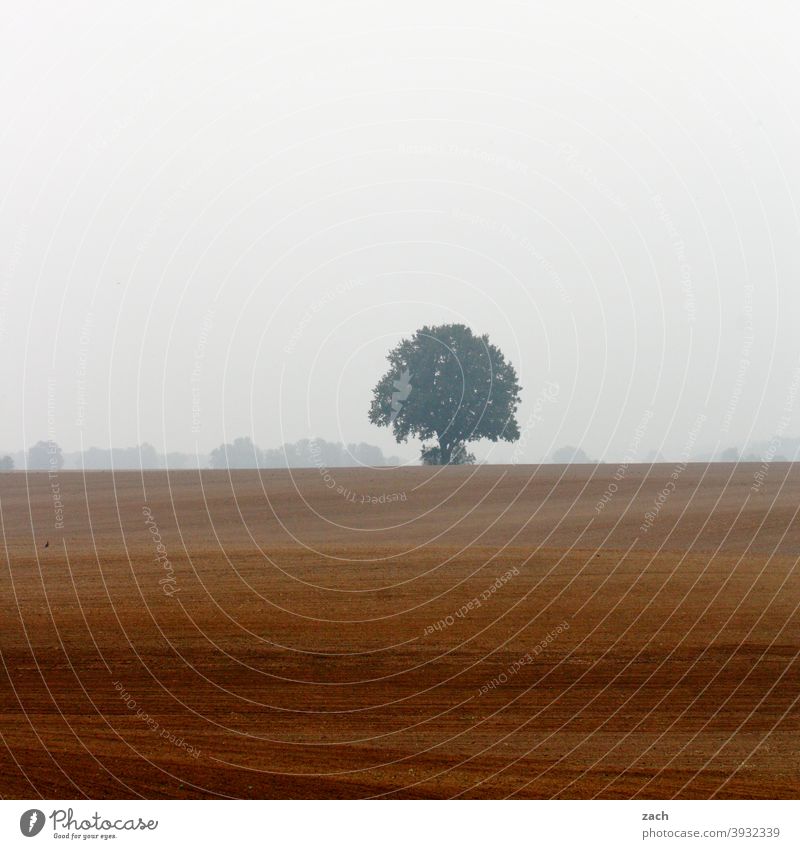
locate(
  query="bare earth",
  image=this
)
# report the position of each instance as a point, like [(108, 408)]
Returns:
[(314, 644)]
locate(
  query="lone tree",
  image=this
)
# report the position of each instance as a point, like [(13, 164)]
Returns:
[(447, 384)]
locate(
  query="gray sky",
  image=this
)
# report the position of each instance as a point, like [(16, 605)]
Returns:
[(240, 209)]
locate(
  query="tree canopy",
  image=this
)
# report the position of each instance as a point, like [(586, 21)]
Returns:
[(449, 385)]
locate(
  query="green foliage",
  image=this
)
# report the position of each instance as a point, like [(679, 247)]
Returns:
[(447, 384)]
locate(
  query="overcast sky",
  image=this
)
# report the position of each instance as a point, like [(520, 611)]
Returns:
[(217, 220)]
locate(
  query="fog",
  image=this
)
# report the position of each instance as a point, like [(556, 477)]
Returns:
[(218, 219)]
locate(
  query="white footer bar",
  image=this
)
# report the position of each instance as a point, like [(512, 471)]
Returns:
[(401, 824)]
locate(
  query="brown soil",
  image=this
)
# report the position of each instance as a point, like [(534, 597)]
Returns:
[(304, 641)]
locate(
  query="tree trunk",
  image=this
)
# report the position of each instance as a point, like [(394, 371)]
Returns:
[(444, 453)]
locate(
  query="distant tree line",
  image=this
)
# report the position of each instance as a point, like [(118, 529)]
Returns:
[(242, 453), (570, 454)]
